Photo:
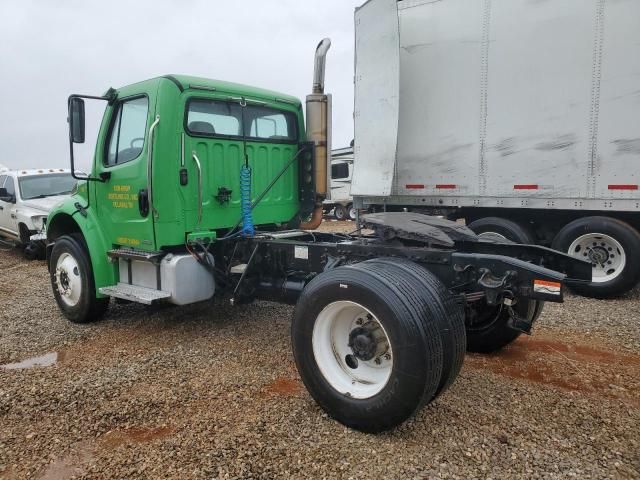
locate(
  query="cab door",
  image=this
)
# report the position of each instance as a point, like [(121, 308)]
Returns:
[(122, 162), (8, 218)]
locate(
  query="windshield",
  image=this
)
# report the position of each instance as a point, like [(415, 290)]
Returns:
[(40, 186)]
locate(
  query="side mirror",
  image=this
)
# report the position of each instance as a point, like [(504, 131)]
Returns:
[(76, 120)]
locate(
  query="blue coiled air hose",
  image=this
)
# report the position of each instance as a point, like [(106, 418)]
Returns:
[(245, 201)]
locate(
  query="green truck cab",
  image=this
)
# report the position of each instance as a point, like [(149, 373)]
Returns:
[(188, 138)]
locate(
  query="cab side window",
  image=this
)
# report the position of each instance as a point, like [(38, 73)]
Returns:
[(339, 171), (10, 187), (128, 128)]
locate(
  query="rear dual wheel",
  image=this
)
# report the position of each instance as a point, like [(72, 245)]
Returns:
[(342, 212), (375, 341), (489, 327)]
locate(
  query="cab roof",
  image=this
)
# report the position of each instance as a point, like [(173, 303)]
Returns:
[(186, 82)]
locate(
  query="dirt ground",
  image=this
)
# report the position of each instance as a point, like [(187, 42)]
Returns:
[(211, 391)]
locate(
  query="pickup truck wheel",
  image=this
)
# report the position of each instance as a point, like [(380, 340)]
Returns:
[(369, 349), (72, 281), (613, 248), (25, 234), (488, 327), (496, 229), (340, 212)]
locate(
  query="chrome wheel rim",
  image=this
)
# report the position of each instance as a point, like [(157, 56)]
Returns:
[(605, 253), (68, 279), (352, 349)]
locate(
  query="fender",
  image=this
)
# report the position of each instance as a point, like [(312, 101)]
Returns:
[(65, 219)]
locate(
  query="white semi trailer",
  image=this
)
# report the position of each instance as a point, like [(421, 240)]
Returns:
[(520, 116)]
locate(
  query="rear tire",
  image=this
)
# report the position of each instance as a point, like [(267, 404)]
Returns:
[(613, 247), (497, 228), (72, 281), (340, 212), (488, 327), (326, 339), (450, 321)]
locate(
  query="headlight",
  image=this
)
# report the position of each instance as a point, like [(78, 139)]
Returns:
[(38, 222)]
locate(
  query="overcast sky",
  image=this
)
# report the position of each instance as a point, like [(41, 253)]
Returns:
[(50, 49)]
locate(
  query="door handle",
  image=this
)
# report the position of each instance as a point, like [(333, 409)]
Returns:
[(143, 202), (1, 207), (197, 161)]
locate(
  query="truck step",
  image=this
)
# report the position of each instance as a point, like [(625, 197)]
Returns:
[(134, 293), (133, 254)]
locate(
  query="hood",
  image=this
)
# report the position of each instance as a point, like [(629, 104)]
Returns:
[(44, 204)]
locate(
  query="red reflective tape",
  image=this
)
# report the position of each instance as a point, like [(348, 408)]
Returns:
[(623, 187), (445, 186), (414, 186), (525, 187)]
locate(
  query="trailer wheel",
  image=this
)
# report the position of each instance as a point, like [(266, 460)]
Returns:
[(352, 211), (340, 212), (368, 348), (613, 248), (496, 228), (72, 281), (488, 327)]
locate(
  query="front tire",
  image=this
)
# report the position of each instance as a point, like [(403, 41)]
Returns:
[(367, 346), (613, 248), (72, 281)]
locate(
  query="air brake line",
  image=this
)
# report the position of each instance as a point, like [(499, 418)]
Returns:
[(248, 229)]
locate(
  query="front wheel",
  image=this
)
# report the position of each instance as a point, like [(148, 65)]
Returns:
[(367, 343), (611, 246), (72, 281)]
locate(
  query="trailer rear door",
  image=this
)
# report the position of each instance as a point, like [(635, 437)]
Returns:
[(377, 87)]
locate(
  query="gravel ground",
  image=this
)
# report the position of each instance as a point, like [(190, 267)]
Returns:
[(210, 391)]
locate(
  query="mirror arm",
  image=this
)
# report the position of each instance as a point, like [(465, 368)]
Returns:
[(111, 95)]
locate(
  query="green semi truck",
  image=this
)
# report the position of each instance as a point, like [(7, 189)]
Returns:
[(202, 189)]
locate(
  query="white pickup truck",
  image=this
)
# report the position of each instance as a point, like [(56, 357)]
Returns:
[(26, 197)]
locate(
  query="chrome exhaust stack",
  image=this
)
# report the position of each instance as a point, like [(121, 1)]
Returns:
[(319, 132)]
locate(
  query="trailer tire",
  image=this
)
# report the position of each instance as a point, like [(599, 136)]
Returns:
[(493, 332), (615, 247), (450, 321), (351, 211), (340, 212), (502, 228), (341, 302), (72, 281)]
